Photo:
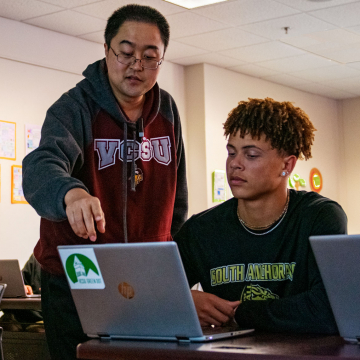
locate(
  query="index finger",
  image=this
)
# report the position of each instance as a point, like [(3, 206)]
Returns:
[(90, 215)]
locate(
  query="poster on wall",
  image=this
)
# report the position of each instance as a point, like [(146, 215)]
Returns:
[(218, 186), (7, 140), (17, 194), (32, 137)]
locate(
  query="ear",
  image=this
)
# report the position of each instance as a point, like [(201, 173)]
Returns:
[(289, 164), (106, 49)]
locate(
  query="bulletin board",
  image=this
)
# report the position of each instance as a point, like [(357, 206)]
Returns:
[(17, 194), (7, 140)]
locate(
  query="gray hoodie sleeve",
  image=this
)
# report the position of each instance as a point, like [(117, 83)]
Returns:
[(48, 170), (181, 197)]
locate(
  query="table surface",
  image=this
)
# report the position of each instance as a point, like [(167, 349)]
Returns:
[(257, 346), (21, 303)]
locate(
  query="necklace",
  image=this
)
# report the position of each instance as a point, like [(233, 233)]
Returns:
[(278, 220)]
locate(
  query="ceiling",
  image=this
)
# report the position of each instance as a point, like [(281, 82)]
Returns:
[(319, 53)]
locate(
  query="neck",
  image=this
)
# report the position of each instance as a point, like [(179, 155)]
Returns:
[(262, 211), (133, 108)]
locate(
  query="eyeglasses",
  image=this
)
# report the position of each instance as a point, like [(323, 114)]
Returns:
[(131, 60)]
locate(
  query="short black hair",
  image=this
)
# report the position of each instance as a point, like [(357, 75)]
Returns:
[(287, 127), (139, 13)]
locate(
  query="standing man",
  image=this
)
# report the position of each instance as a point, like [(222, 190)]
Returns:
[(110, 166), (252, 254)]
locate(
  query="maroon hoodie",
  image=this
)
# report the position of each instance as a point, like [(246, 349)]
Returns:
[(85, 141)]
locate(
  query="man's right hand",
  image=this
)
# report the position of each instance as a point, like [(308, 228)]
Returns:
[(213, 310), (82, 211)]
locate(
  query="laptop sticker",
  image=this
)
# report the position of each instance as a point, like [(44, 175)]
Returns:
[(82, 269)]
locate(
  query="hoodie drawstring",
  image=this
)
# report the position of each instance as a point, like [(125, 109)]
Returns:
[(124, 180)]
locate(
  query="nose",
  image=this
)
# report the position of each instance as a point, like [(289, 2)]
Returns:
[(236, 163), (136, 64)]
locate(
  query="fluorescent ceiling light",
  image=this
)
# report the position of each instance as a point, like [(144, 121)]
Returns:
[(191, 4)]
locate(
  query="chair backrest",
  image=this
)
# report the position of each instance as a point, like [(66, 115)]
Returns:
[(2, 290)]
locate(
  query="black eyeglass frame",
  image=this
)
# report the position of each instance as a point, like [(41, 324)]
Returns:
[(158, 62)]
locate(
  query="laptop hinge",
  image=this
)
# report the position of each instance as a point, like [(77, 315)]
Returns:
[(182, 339), (104, 336)]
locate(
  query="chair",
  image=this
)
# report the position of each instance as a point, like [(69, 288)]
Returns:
[(2, 290)]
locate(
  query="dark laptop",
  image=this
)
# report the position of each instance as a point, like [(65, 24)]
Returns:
[(338, 259), (11, 275)]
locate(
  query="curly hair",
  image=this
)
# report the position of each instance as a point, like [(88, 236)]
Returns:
[(287, 127)]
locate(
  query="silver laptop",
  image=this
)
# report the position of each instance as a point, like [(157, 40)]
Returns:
[(11, 275), (338, 259), (134, 291)]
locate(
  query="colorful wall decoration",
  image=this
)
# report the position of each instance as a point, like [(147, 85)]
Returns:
[(316, 180)]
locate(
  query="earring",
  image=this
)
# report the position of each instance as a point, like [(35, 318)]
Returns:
[(283, 173)]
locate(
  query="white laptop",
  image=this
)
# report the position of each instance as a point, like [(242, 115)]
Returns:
[(11, 275), (338, 259), (134, 291)]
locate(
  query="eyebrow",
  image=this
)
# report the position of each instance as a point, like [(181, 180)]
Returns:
[(244, 147), (133, 45)]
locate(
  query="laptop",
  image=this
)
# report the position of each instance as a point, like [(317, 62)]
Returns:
[(11, 275), (338, 259), (135, 291)]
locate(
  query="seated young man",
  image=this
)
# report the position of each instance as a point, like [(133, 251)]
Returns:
[(252, 254)]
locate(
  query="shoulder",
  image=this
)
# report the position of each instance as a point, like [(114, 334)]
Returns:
[(216, 217), (312, 200), (326, 215), (168, 108)]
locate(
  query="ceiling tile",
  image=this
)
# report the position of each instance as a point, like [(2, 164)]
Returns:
[(285, 79), (68, 4), (296, 63), (326, 39), (69, 22), (25, 9), (343, 55), (306, 5), (245, 11), (348, 84), (97, 36), (188, 23), (343, 16), (104, 9), (327, 73), (253, 70), (262, 52), (177, 50), (326, 91), (355, 65), (222, 39), (214, 59), (298, 24)]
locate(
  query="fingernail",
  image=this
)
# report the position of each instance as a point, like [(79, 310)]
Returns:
[(93, 238)]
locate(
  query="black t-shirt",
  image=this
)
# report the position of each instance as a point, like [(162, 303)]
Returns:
[(274, 275)]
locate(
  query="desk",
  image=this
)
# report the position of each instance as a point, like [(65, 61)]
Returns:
[(251, 347), (21, 303)]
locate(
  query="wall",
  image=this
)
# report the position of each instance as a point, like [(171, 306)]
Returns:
[(350, 116), (223, 89), (36, 67)]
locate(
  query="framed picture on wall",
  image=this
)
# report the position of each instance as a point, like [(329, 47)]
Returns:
[(17, 194), (7, 140)]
